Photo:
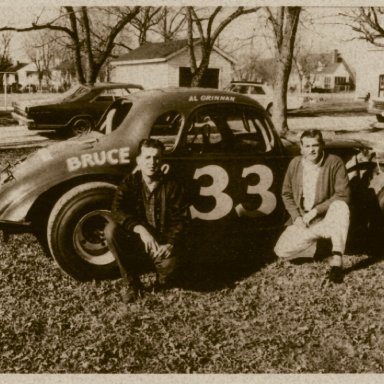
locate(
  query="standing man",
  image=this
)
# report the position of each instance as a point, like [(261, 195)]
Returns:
[(149, 214), (316, 195)]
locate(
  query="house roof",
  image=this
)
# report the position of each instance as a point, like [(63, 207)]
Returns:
[(16, 67), (164, 50)]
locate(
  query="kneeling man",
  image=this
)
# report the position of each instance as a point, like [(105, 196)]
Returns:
[(316, 195), (149, 213)]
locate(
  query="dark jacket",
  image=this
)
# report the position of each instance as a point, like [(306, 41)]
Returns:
[(332, 184), (128, 208)]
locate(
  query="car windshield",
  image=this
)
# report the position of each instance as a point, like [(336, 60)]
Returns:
[(75, 92)]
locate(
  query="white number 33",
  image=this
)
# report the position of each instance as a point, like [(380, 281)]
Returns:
[(224, 203)]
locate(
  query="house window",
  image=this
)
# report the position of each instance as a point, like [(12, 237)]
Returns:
[(327, 82), (381, 85), (339, 80)]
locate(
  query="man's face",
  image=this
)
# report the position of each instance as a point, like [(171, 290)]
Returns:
[(149, 161), (311, 149)]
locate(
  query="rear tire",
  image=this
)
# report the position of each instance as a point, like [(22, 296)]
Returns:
[(75, 232)]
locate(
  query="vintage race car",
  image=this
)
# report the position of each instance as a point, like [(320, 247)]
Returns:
[(221, 145)]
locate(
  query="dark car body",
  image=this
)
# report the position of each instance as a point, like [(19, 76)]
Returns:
[(76, 111), (221, 145)]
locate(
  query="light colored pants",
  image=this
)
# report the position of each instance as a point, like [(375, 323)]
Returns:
[(299, 241)]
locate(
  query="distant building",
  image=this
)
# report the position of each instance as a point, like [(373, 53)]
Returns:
[(322, 72), (332, 74), (156, 65)]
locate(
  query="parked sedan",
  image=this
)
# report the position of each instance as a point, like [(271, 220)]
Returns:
[(76, 111), (264, 95)]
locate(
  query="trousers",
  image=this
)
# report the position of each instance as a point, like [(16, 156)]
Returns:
[(300, 241), (131, 258)]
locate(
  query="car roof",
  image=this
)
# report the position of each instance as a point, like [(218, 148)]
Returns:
[(194, 96)]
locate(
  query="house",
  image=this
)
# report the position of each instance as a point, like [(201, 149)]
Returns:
[(332, 74), (157, 65), (11, 75)]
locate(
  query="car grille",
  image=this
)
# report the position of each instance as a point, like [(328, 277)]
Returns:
[(378, 104)]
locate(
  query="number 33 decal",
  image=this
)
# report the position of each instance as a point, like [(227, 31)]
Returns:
[(224, 203)]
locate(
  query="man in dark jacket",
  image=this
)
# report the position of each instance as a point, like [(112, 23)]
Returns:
[(316, 195), (149, 214)]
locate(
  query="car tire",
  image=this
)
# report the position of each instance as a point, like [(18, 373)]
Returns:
[(75, 232), (380, 118), (81, 126), (270, 109)]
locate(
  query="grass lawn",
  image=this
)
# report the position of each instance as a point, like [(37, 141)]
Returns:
[(265, 317)]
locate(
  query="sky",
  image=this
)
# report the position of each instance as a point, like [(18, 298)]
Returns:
[(321, 36)]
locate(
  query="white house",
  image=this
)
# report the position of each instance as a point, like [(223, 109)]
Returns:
[(157, 65)]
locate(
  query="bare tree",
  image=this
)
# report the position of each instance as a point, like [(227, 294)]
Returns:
[(5, 60), (368, 23), (42, 49), (203, 20), (284, 22), (91, 34), (145, 20), (165, 22)]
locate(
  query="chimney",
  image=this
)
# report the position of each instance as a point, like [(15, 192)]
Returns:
[(335, 58)]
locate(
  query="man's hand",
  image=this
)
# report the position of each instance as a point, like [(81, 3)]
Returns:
[(150, 244), (163, 251), (299, 222), (309, 216)]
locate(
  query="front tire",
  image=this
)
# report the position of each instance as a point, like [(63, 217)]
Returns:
[(75, 232)]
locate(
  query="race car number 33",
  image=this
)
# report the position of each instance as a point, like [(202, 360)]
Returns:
[(224, 203)]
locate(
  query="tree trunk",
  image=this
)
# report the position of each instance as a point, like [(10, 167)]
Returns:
[(284, 56)]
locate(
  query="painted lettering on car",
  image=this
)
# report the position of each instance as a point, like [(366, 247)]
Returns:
[(211, 98), (93, 159)]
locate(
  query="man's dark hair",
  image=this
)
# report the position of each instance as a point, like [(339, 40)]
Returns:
[(151, 143), (312, 133)]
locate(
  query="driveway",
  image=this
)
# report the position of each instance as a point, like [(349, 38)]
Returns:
[(361, 126)]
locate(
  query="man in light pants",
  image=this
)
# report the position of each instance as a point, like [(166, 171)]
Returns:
[(316, 195)]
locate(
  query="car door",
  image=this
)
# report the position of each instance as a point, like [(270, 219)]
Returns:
[(232, 167)]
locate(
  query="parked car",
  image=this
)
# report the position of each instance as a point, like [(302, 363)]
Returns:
[(75, 111), (376, 107), (221, 145), (262, 93)]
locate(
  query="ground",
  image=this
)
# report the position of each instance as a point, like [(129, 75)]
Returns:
[(256, 315)]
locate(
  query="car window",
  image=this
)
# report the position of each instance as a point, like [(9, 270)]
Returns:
[(109, 95), (256, 90), (167, 128), (114, 117), (231, 128), (75, 92)]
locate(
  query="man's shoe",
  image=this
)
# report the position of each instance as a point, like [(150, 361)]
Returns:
[(130, 292), (335, 274)]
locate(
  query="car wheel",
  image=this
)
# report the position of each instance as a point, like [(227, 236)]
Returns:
[(81, 126), (75, 232), (270, 109), (380, 118)]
